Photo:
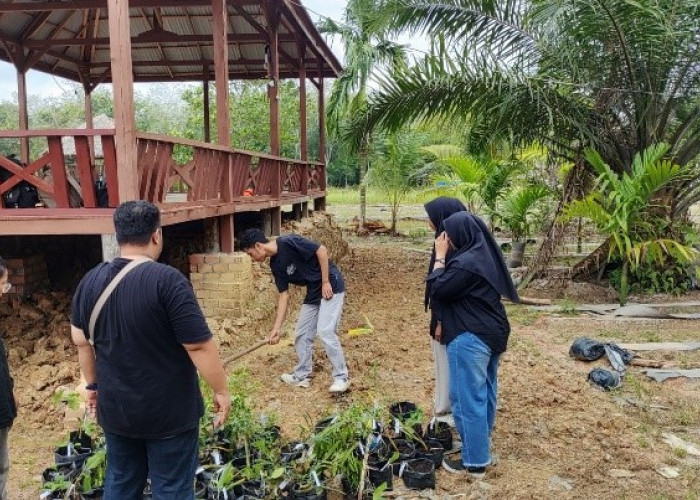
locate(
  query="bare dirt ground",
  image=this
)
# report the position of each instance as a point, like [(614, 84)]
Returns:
[(556, 436)]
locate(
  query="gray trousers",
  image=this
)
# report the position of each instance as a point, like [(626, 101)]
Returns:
[(442, 379), (323, 319), (4, 461)]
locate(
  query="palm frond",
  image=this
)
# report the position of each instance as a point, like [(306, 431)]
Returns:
[(525, 107)]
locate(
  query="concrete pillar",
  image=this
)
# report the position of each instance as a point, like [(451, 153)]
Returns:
[(305, 210), (266, 222), (276, 219), (211, 235), (110, 248), (297, 211)]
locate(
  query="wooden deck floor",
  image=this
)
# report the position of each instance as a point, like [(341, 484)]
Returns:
[(58, 221)]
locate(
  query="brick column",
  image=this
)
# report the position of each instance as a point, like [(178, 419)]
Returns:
[(222, 282)]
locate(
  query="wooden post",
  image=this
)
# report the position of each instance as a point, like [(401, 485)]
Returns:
[(23, 113), (123, 89), (89, 122), (207, 118), (303, 135), (226, 222), (220, 31), (274, 82), (321, 115)]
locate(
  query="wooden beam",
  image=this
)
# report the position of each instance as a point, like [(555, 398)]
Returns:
[(123, 88), (321, 116), (150, 39), (18, 134), (307, 29), (23, 113), (34, 25), (274, 83), (261, 29), (92, 4), (193, 62), (34, 55), (160, 47), (221, 70), (303, 133)]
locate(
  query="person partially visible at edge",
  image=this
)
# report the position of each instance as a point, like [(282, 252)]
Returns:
[(465, 295), (150, 340), (298, 261), (8, 405), (438, 210)]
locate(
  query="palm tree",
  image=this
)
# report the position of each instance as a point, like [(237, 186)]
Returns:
[(366, 50), (397, 160), (614, 75), (619, 207)]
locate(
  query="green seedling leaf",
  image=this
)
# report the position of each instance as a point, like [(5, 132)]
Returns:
[(377, 495), (277, 473)]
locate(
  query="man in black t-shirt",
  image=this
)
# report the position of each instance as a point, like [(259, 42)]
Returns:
[(298, 261), (148, 343)]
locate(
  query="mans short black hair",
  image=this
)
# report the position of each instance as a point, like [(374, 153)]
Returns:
[(135, 222), (250, 237)]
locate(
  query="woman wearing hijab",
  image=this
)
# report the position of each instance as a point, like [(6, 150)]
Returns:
[(438, 210), (466, 286)]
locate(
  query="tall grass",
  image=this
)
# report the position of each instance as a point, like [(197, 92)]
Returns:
[(375, 196)]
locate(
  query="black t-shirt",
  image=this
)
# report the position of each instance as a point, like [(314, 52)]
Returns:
[(296, 263), (465, 302), (8, 412), (147, 384)]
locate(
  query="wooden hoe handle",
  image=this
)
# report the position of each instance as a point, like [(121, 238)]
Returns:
[(250, 349)]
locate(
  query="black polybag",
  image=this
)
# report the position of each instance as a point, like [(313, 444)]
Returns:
[(605, 379), (586, 349)]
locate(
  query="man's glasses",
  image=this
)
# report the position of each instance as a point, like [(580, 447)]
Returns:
[(6, 287)]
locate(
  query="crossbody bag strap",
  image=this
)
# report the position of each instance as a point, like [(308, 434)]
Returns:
[(107, 292)]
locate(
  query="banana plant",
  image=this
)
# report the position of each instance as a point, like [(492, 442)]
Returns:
[(630, 209)]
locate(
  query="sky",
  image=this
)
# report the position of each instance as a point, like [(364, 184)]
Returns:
[(39, 83)]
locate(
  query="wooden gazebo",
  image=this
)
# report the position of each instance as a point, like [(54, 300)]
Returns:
[(127, 41)]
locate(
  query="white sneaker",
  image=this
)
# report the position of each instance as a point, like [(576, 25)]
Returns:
[(339, 386), (292, 380), (447, 418)]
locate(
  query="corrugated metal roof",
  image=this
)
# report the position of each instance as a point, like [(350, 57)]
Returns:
[(172, 58)]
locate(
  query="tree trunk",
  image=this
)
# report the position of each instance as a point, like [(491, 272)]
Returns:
[(540, 262), (593, 264), (624, 282), (364, 167)]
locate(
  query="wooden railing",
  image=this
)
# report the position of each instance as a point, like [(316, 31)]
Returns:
[(219, 173), (212, 173), (63, 186)]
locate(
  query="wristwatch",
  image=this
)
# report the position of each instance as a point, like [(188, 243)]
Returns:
[(441, 260)]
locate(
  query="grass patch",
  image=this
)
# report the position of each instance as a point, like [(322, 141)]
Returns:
[(568, 307), (522, 315), (351, 196), (643, 442)]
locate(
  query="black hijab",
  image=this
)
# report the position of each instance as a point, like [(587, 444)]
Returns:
[(478, 252), (438, 210)]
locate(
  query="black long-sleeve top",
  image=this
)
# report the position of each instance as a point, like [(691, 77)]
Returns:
[(8, 412), (465, 302)]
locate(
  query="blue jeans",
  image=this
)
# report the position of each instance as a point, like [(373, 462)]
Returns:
[(169, 462), (473, 391)]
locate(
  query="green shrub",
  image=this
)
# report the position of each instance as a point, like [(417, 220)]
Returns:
[(673, 278)]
